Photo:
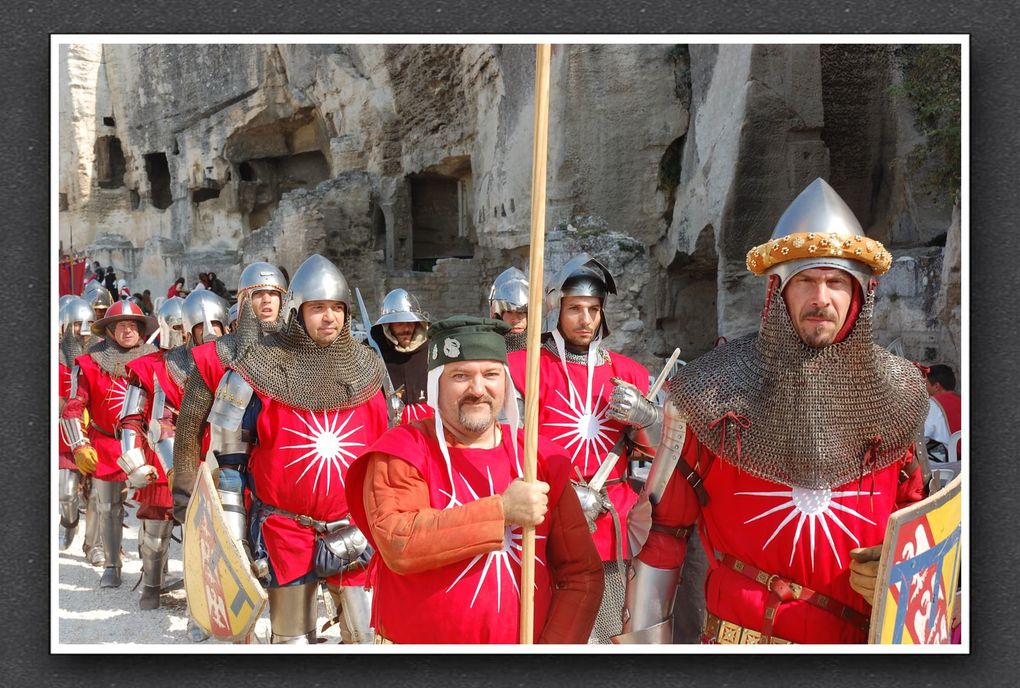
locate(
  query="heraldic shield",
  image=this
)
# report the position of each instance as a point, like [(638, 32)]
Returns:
[(919, 571), (224, 599)]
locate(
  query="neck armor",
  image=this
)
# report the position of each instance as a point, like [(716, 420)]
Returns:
[(515, 341), (109, 356), (791, 414), (601, 356), (249, 331), (291, 367), (179, 363), (71, 347)]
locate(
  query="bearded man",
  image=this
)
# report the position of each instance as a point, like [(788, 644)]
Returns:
[(508, 301), (442, 504), (100, 388), (400, 333), (788, 448)]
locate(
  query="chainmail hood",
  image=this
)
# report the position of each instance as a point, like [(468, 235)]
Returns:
[(288, 365), (796, 415), (112, 358), (515, 341), (180, 364), (601, 356), (71, 347)]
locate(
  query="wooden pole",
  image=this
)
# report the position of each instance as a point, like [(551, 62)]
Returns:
[(535, 282)]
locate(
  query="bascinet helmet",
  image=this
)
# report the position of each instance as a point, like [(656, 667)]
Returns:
[(75, 310), (262, 275), (204, 307), (582, 275), (399, 306), (98, 296), (170, 313), (316, 279), (509, 293)]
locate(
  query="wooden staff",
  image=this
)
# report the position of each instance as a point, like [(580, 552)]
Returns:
[(536, 260)]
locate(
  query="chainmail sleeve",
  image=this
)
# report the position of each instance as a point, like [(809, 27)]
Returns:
[(195, 406)]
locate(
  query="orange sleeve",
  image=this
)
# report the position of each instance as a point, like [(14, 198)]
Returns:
[(576, 571), (410, 535)]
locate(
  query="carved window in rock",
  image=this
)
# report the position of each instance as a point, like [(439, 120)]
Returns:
[(110, 164), (157, 169), (441, 221)]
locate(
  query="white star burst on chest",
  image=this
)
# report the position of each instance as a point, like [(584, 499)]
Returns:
[(510, 550), (115, 395), (587, 427), (327, 446), (814, 507)]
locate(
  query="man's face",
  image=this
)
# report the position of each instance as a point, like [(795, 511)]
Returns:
[(933, 387), (818, 301), (323, 320), (403, 332), (76, 328), (126, 333), (517, 319), (266, 304), (580, 319), (471, 395), (199, 331)]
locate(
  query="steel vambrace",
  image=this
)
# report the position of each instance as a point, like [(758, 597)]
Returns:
[(648, 604), (674, 432)]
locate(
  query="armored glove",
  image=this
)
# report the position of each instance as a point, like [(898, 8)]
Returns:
[(593, 504), (344, 549), (86, 459), (864, 571), (181, 487), (139, 473), (628, 405)]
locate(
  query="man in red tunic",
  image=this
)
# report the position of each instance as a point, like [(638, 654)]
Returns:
[(148, 419), (101, 389), (444, 509), (788, 448), (576, 377), (317, 403)]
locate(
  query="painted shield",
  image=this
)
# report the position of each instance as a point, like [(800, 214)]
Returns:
[(224, 598), (919, 571)]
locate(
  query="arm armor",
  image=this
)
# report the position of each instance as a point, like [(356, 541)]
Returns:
[(195, 406), (229, 402), (132, 457), (647, 438), (73, 433), (648, 604), (674, 432)]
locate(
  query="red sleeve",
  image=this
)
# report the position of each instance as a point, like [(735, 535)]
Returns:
[(75, 408)]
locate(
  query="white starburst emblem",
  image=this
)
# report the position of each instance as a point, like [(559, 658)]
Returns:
[(510, 550), (814, 507), (587, 428), (115, 395), (327, 446)]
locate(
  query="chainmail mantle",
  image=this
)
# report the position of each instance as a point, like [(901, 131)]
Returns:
[(112, 358), (601, 355), (71, 347), (515, 341), (795, 415), (290, 366), (179, 363)]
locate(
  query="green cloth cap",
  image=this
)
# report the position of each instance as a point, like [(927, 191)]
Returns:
[(467, 338)]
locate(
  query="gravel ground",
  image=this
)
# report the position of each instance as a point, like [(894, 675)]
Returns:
[(110, 616)]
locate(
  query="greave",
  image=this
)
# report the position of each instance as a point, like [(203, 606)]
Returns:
[(67, 499), (111, 528), (355, 606), (93, 544), (231, 493), (648, 607), (153, 548), (292, 613)]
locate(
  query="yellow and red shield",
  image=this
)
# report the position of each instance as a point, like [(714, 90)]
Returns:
[(224, 597)]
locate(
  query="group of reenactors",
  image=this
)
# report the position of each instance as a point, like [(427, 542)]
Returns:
[(383, 460)]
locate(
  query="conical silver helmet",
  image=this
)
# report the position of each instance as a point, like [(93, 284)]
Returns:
[(400, 306), (76, 310), (98, 296), (261, 275), (316, 279), (509, 293), (169, 315), (203, 307), (582, 275)]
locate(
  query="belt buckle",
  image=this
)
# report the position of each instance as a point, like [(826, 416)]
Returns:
[(305, 521), (768, 584)]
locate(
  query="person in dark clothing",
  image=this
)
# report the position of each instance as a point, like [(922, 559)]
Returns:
[(217, 286), (110, 280), (401, 335)]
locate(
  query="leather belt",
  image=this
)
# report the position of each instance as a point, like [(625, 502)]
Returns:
[(102, 431), (307, 521), (784, 590), (678, 532), (721, 632)]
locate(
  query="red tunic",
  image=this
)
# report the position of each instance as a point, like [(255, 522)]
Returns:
[(413, 412), (475, 600), (208, 365), (800, 534), (65, 458), (949, 402), (574, 417), (299, 465), (103, 395)]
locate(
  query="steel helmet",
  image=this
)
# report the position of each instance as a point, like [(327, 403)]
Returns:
[(582, 275), (509, 293), (316, 279), (125, 310), (204, 307), (75, 310), (171, 313)]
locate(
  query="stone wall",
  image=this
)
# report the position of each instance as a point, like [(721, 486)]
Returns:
[(410, 166)]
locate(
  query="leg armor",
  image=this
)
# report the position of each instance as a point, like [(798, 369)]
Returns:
[(292, 613), (111, 528), (93, 544), (231, 492), (67, 496), (153, 548), (648, 607), (354, 604)]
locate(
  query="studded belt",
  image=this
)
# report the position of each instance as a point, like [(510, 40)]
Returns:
[(721, 632), (784, 590)]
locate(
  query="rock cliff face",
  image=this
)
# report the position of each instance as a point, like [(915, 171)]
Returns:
[(410, 165)]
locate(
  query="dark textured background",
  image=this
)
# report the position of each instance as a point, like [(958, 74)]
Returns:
[(27, 509)]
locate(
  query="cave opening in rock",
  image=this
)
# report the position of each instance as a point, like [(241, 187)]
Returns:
[(204, 194), (109, 121), (110, 164), (158, 171), (441, 224), (688, 313), (269, 178)]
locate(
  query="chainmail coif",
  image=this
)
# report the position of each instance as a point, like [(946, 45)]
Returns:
[(291, 367), (71, 347), (112, 358), (180, 364), (796, 415)]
